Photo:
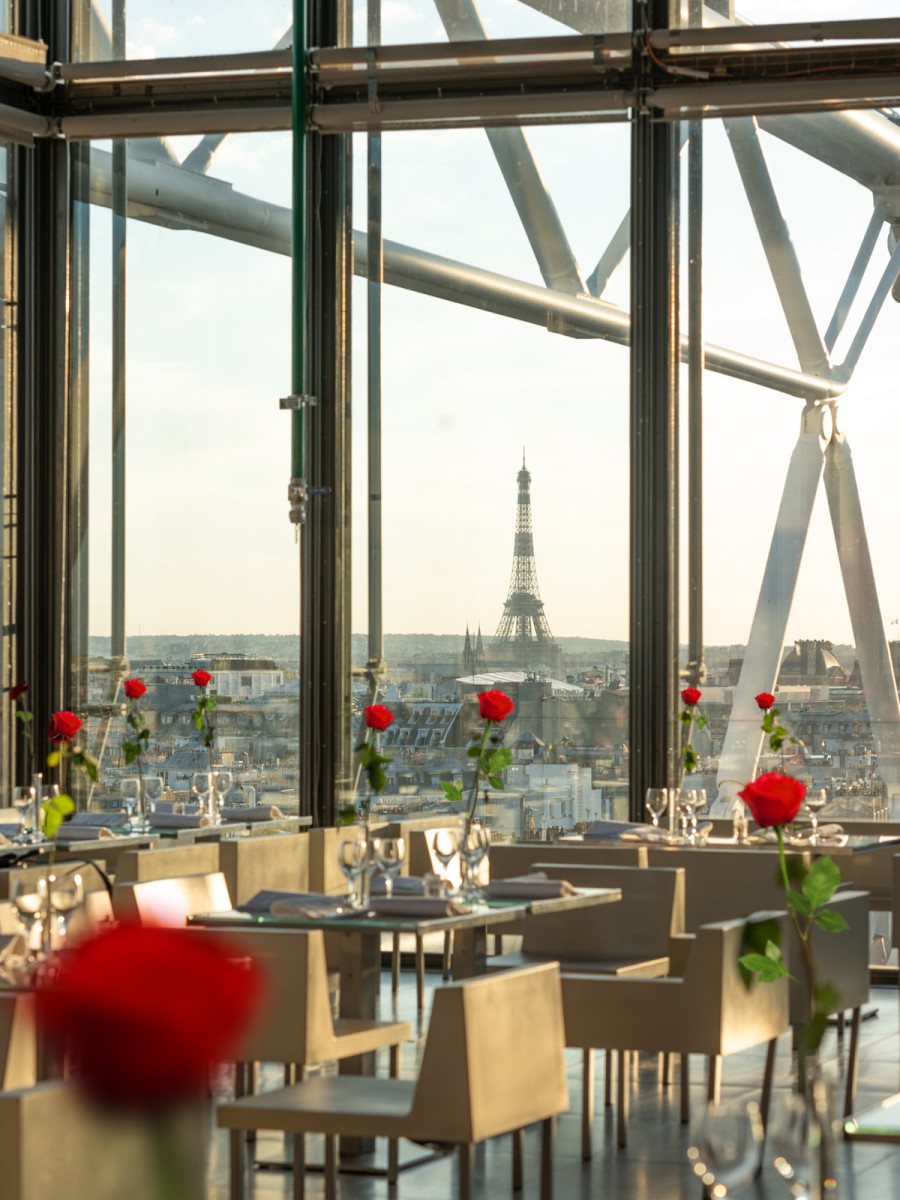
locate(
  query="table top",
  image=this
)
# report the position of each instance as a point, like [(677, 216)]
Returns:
[(491, 912), (849, 844), (880, 1123)]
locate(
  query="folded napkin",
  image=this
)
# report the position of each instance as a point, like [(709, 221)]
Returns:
[(8, 833), (404, 885), (314, 904), (612, 831), (529, 887), (416, 906), (643, 833), (111, 820), (169, 820), (260, 812), (68, 832), (262, 902)]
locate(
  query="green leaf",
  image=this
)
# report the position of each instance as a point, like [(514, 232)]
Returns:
[(799, 903), (769, 721), (497, 783), (346, 815), (24, 716), (453, 791), (144, 735), (211, 702), (53, 758), (367, 754), (377, 778), (765, 968), (474, 751), (131, 752), (198, 720), (822, 881), (830, 920), (689, 758), (686, 716), (499, 760), (827, 998), (702, 722)]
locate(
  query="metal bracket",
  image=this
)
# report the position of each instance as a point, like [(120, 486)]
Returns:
[(297, 493), (295, 402)]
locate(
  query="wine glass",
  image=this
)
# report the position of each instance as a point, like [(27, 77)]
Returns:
[(791, 1144), (222, 782), (816, 799), (132, 802), (445, 846), (726, 1151), (352, 853), (473, 847), (692, 800), (389, 853), (201, 787), (24, 799), (153, 790), (66, 893), (656, 802), (28, 892)]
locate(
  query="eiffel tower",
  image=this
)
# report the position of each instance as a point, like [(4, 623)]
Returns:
[(523, 635)]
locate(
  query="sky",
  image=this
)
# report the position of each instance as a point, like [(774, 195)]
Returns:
[(210, 548)]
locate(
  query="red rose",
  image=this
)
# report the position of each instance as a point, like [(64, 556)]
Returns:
[(765, 700), (378, 717), (774, 799), (134, 689), (201, 678), (63, 727), (17, 690), (146, 1011), (494, 706), (691, 695)]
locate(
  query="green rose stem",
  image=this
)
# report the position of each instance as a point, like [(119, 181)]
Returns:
[(809, 962), (470, 816)]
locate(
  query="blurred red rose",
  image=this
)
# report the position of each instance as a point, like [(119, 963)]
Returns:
[(774, 799), (378, 717), (765, 700), (145, 1011), (17, 690), (134, 689), (691, 695), (63, 726), (201, 678), (494, 706)]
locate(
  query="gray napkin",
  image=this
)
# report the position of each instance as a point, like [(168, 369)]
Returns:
[(529, 887)]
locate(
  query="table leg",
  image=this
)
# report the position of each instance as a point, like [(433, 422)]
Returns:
[(360, 973), (469, 952)]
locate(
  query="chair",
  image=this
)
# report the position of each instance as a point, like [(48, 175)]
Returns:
[(277, 861), (171, 901), (18, 1042), (475, 1082), (509, 859), (88, 1154), (136, 866), (422, 861), (708, 1011)]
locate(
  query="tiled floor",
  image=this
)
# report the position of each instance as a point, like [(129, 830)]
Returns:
[(654, 1165)]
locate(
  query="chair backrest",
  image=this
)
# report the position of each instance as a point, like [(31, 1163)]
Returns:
[(171, 901), (294, 1022), (9, 918), (842, 959), (508, 859), (325, 874), (278, 861), (136, 866), (726, 883), (18, 1045), (494, 1057), (421, 853), (94, 911), (895, 902), (639, 926), (102, 1155)]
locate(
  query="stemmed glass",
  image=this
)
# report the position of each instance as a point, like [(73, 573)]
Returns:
[(445, 846), (388, 853), (728, 1145), (201, 786), (153, 790), (791, 1144), (25, 800), (816, 799), (352, 856), (691, 801), (222, 782), (28, 892), (473, 847), (134, 802), (66, 893), (656, 802)]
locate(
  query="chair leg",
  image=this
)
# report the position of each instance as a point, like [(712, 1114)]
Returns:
[(236, 1144), (548, 1138), (666, 1069), (298, 1157), (393, 1169), (768, 1076), (394, 1061), (685, 1088), (466, 1162), (714, 1079), (330, 1167), (621, 1096), (587, 1102), (607, 1086), (518, 1138), (852, 1062), (445, 961), (420, 974), (395, 964)]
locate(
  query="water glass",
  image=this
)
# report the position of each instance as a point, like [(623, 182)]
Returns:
[(656, 802), (201, 790), (791, 1135), (388, 853), (153, 792), (816, 799), (353, 860), (28, 892), (133, 803), (726, 1152), (445, 847), (222, 782), (66, 893), (25, 800), (473, 848)]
